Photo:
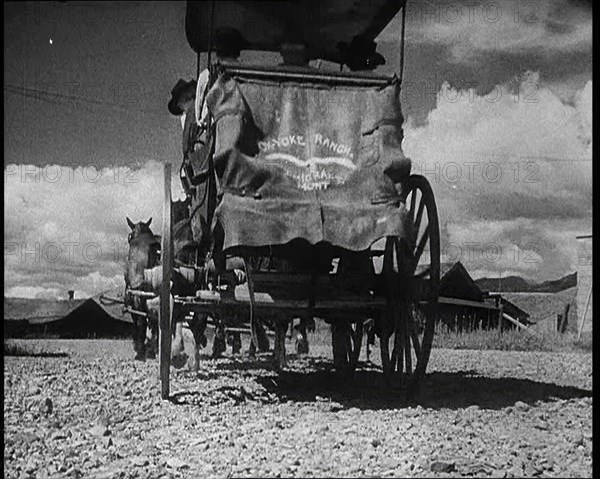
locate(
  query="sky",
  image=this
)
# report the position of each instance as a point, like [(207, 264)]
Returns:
[(497, 99)]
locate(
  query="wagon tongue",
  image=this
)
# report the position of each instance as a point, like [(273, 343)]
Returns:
[(265, 25)]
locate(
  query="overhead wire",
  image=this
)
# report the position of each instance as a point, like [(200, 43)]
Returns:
[(62, 99)]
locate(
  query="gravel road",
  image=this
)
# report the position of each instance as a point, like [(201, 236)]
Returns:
[(96, 413)]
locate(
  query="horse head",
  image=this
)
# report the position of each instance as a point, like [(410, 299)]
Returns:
[(144, 252), (139, 231)]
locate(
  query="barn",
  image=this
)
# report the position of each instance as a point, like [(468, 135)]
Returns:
[(76, 319), (584, 285), (463, 305)]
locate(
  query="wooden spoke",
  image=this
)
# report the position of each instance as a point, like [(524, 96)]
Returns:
[(414, 333), (413, 200), (406, 264), (415, 340), (385, 355), (388, 256), (419, 215), (408, 322), (399, 343), (422, 242), (407, 350)]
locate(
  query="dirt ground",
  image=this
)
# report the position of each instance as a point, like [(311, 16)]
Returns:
[(90, 411)]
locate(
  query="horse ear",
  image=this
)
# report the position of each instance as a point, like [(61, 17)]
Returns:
[(130, 223), (149, 221)]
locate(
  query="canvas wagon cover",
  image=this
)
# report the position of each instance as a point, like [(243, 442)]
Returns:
[(322, 24), (318, 162)]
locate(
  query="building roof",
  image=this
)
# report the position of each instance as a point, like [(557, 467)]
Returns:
[(66, 319), (445, 267), (39, 311), (511, 308), (456, 282)]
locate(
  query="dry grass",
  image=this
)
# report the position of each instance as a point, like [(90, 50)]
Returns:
[(492, 339), (23, 348), (510, 340)]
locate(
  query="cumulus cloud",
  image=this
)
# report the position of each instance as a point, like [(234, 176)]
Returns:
[(33, 292), (512, 175), (471, 28), (511, 171), (65, 228)]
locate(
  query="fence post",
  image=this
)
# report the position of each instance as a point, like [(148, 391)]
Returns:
[(165, 289), (587, 305)]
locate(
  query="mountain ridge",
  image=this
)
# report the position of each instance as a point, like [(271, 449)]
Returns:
[(516, 284)]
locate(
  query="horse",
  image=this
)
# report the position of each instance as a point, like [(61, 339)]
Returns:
[(144, 253)]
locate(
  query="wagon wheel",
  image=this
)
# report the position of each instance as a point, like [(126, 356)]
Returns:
[(164, 323), (411, 266), (346, 339)]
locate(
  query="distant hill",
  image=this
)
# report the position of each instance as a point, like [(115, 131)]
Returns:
[(517, 284), (545, 306)]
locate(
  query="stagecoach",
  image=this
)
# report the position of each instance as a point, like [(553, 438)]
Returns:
[(303, 167)]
